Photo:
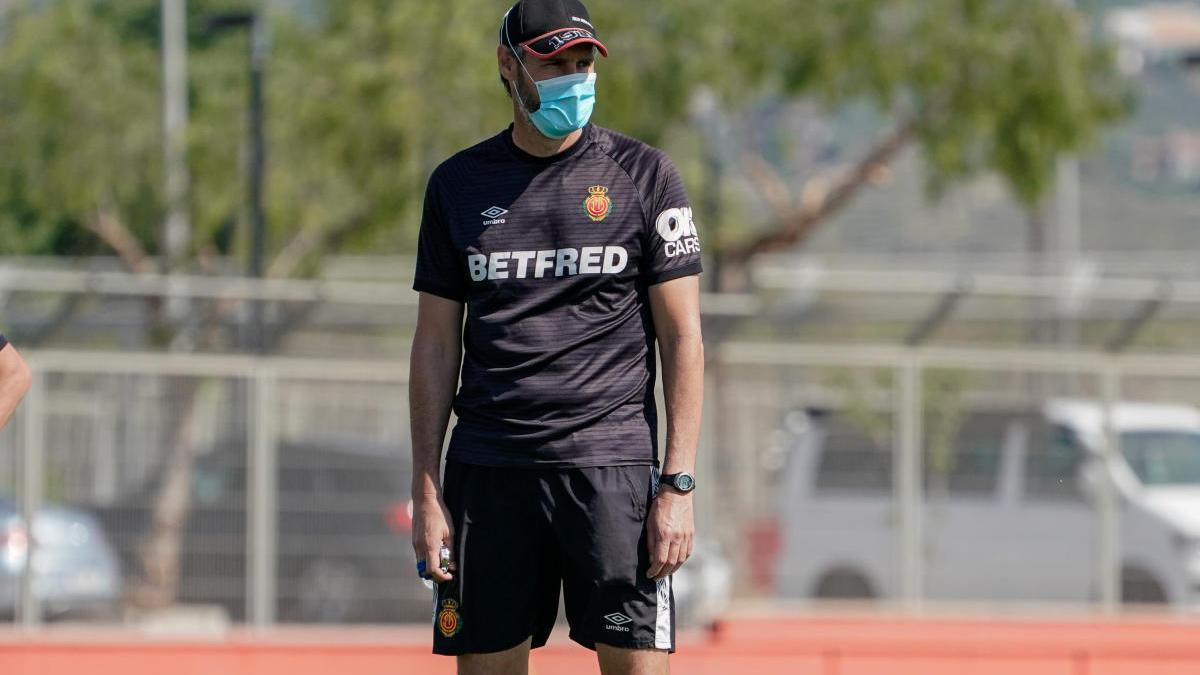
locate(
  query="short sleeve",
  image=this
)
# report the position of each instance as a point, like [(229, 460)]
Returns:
[(440, 269), (672, 240)]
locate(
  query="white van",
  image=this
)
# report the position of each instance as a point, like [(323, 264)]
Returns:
[(1009, 517)]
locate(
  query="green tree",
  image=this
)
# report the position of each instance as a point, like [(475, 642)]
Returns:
[(1003, 86), (365, 97), (78, 128), (362, 100)]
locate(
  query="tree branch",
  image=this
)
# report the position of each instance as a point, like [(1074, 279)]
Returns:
[(308, 241), (112, 231), (796, 224)]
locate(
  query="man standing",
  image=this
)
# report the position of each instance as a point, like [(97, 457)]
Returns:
[(571, 251), (14, 380)]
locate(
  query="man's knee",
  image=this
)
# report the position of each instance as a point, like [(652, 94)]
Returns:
[(618, 661)]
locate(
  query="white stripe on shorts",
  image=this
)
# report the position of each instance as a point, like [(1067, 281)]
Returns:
[(662, 624)]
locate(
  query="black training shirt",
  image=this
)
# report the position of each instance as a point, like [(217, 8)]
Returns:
[(553, 258)]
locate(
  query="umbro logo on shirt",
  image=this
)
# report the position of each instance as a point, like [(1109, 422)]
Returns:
[(493, 216)]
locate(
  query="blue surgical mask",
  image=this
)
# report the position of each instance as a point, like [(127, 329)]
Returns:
[(567, 104)]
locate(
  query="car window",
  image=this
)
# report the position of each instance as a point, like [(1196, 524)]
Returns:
[(1163, 457), (1052, 464), (851, 460), (971, 463)]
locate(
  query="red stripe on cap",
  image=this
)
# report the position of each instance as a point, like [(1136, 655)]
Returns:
[(572, 43), (568, 45)]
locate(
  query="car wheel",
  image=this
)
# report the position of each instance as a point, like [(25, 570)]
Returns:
[(329, 591), (843, 584)]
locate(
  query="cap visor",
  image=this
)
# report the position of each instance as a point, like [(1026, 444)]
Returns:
[(554, 43)]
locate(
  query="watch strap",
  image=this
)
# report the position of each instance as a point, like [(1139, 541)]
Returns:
[(670, 479)]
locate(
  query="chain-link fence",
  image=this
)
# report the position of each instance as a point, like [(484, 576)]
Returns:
[(262, 490), (988, 477), (277, 490)]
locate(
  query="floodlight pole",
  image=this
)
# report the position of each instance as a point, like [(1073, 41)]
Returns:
[(176, 232), (177, 226), (258, 151), (256, 160)]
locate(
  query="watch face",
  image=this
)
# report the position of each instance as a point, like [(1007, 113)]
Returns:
[(685, 482)]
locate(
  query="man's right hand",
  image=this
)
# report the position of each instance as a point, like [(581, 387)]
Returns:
[(431, 530)]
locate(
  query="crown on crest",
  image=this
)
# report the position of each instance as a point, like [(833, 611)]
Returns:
[(598, 190)]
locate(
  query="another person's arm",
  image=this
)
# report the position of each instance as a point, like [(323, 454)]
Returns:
[(675, 306), (15, 380)]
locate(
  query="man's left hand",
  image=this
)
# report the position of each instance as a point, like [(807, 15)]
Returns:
[(670, 530)]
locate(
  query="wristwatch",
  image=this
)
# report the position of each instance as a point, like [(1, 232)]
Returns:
[(684, 482)]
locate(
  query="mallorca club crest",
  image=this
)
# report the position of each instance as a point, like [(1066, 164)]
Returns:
[(598, 204), (448, 619)]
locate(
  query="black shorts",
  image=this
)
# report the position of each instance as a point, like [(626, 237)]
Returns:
[(521, 533)]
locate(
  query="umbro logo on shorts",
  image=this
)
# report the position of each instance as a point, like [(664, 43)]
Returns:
[(618, 619), (493, 216)]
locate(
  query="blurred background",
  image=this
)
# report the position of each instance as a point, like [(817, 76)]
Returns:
[(952, 298)]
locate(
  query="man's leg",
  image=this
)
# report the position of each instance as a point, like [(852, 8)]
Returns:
[(513, 661), (617, 661), (599, 520), (503, 597)]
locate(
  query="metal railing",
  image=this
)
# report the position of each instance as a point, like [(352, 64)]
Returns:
[(274, 404)]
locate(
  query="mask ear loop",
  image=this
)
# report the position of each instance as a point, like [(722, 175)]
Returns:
[(508, 39)]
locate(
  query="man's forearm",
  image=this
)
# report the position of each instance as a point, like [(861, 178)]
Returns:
[(433, 376), (11, 393), (15, 380), (683, 388)]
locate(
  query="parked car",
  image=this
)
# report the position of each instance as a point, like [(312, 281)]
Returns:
[(344, 551), (76, 572), (1013, 517)]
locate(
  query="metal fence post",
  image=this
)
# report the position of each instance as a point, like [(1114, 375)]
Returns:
[(32, 482), (907, 483), (261, 512), (1109, 539)]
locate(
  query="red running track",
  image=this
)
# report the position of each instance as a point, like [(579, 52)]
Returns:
[(763, 645)]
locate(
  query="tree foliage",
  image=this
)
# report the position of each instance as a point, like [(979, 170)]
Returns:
[(365, 97), (78, 126), (979, 86)]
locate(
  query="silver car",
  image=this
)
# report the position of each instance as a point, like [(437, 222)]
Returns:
[(76, 572)]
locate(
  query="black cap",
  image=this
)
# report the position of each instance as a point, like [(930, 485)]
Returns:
[(544, 28)]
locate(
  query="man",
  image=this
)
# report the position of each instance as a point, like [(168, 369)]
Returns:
[(14, 380), (571, 250)]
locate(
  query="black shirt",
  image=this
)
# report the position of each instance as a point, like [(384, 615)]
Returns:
[(3, 342), (553, 258)]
